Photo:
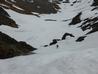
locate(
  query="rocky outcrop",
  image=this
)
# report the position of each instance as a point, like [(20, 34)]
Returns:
[(95, 3), (24, 7), (67, 34), (3, 12), (90, 24), (55, 41), (9, 47), (5, 19), (76, 19), (81, 38)]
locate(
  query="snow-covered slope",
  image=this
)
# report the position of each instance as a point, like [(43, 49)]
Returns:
[(70, 57)]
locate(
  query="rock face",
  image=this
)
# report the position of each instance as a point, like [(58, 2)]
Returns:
[(90, 23), (6, 20), (24, 7), (9, 47), (3, 12)]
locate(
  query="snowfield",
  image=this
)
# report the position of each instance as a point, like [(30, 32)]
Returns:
[(70, 57)]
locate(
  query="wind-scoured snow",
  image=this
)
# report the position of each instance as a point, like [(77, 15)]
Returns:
[(70, 57)]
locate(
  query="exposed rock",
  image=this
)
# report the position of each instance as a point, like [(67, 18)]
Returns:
[(91, 24), (50, 20), (95, 3), (45, 45), (24, 7), (95, 8), (9, 47), (94, 28), (76, 1), (54, 41), (76, 19), (66, 1), (67, 34), (46, 8), (3, 12), (81, 38), (6, 20)]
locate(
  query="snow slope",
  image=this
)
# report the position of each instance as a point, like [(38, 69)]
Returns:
[(70, 58)]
